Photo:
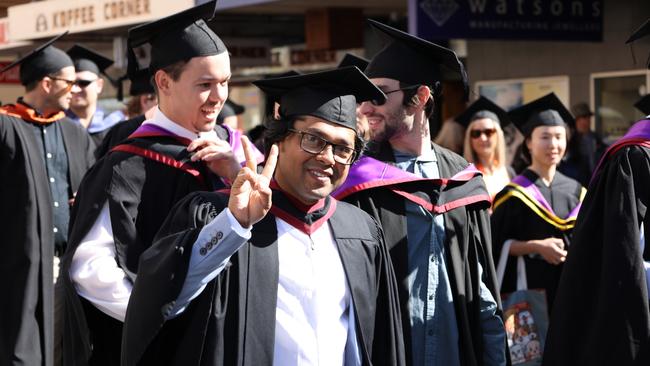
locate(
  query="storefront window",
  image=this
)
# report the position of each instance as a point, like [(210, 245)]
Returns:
[(614, 98)]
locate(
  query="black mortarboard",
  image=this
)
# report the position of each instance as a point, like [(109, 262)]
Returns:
[(642, 31), (353, 60), (230, 109), (40, 62), (86, 59), (545, 111), (643, 104), (413, 60), (483, 108), (331, 95), (175, 38), (141, 83)]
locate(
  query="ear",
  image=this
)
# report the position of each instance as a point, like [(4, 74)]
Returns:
[(163, 82), (45, 84), (100, 85), (421, 97)]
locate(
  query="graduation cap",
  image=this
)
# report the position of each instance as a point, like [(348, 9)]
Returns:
[(353, 60), (483, 108), (413, 60), (331, 95), (86, 59), (642, 31), (643, 104), (40, 62), (545, 111), (230, 109), (175, 38)]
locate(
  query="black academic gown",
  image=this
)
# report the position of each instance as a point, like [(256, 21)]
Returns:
[(26, 310), (601, 314), (140, 192), (232, 322), (117, 134), (467, 243), (513, 219)]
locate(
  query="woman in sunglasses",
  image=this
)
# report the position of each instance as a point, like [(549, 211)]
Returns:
[(484, 143)]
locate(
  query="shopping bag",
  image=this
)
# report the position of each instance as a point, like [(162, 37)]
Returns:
[(525, 314)]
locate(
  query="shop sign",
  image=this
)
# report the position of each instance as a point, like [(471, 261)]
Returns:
[(48, 18), (11, 76), (560, 20), (248, 52)]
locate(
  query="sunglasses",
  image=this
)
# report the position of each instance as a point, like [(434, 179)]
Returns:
[(70, 83), (82, 83), (488, 132)]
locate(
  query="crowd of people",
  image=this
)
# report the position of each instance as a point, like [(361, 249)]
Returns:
[(338, 235)]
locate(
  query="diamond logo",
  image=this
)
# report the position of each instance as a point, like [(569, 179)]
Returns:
[(439, 10)]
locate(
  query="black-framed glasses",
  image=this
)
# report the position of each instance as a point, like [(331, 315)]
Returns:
[(381, 102), (70, 83), (314, 144), (82, 83)]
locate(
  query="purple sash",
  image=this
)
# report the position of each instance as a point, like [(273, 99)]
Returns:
[(638, 134), (150, 129), (534, 193)]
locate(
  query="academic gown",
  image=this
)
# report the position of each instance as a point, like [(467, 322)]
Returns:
[(601, 314), (232, 322), (117, 134), (132, 184), (517, 217), (467, 243), (28, 241)]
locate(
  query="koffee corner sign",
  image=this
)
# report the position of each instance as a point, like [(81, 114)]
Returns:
[(48, 18)]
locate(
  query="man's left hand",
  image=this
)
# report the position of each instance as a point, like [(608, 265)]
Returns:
[(217, 155)]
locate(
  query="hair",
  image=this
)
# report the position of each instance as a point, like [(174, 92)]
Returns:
[(500, 154), (174, 71), (33, 84), (410, 96), (278, 129), (450, 136)]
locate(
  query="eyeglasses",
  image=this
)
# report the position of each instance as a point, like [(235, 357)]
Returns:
[(488, 132), (70, 83), (82, 83), (376, 102), (315, 145)]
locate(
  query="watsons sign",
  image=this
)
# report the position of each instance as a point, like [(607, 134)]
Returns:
[(49, 18), (562, 20)]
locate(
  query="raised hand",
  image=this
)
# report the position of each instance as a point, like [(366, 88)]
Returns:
[(217, 155), (250, 194)]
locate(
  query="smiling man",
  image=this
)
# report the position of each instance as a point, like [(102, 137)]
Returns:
[(43, 156), (126, 196), (278, 272)]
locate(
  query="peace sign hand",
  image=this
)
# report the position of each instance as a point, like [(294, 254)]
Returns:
[(250, 194)]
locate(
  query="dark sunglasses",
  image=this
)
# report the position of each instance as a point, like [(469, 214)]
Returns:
[(488, 132), (376, 102), (82, 83), (315, 145)]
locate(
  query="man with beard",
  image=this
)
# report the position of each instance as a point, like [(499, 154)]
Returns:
[(277, 272), (124, 199), (89, 65), (433, 209), (43, 156)]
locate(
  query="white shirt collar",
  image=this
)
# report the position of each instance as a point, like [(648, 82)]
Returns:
[(159, 119)]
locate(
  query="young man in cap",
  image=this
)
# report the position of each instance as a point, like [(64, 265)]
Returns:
[(601, 314), (277, 272), (89, 65), (43, 156), (437, 230), (126, 196)]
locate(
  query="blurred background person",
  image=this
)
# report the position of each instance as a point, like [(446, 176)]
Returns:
[(484, 143), (533, 216)]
